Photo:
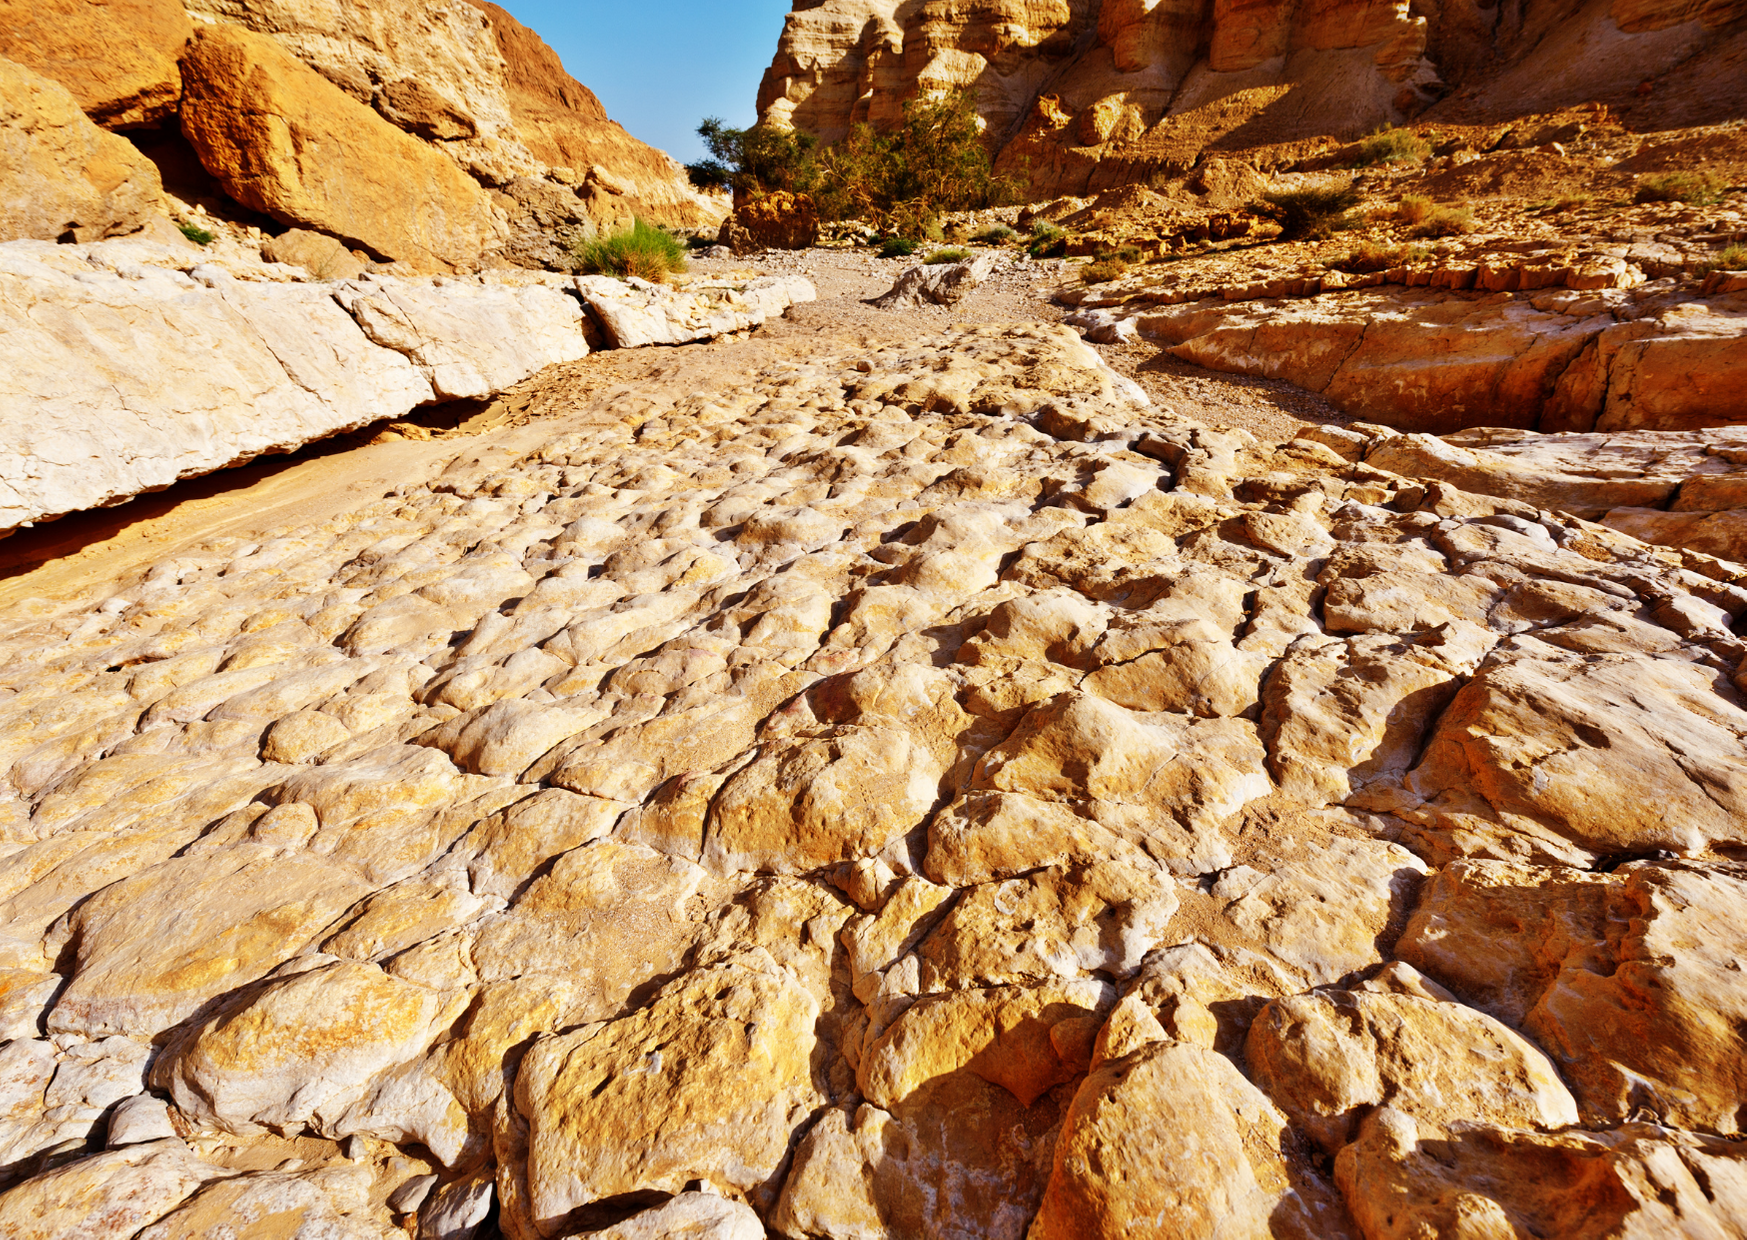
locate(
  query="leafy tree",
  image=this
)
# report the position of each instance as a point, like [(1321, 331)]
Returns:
[(760, 159)]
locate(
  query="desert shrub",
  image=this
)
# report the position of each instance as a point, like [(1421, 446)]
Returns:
[(1391, 146), (1128, 254), (1047, 240), (196, 234), (1103, 270), (1696, 189), (1573, 201), (1314, 212), (1381, 256), (1414, 208), (1731, 258), (1000, 234), (1446, 222), (642, 250), (899, 247), (699, 243), (951, 254), (932, 161)]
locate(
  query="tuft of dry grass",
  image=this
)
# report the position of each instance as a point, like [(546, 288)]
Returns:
[(1446, 222), (1104, 270), (1695, 189), (1415, 209)]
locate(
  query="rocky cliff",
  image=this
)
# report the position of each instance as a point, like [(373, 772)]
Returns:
[(1085, 94), (443, 136)]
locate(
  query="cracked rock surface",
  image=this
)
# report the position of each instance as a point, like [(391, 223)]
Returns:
[(883, 788)]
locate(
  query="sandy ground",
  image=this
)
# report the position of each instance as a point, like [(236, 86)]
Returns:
[(82, 554)]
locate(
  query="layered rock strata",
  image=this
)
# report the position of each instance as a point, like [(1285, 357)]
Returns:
[(1082, 95), (1652, 357), (119, 59), (892, 789), (132, 365)]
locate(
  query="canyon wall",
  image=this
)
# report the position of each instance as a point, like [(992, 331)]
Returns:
[(1081, 95), (442, 135)]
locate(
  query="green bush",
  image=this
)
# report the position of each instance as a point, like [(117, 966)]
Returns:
[(1313, 213), (1696, 189), (899, 247), (642, 250), (1047, 240), (1000, 234), (1391, 146), (196, 234), (1446, 222), (761, 159), (951, 254), (906, 177)]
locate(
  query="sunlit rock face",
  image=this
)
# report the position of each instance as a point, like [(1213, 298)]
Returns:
[(1083, 95), (885, 789)]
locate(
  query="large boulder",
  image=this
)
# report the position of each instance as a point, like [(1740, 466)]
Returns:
[(118, 58), (283, 140), (779, 221), (59, 173)]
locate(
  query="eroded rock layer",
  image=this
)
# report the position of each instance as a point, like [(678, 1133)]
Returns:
[(898, 789), (1085, 95)]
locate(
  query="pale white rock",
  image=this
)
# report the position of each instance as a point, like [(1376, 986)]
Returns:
[(697, 1216), (635, 312), (469, 340), (943, 284), (139, 1119)]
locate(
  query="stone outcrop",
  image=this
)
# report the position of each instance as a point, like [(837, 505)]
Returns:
[(886, 788), (1650, 357), (1679, 489), (942, 284), (632, 313), (562, 124), (287, 142), (1084, 95), (118, 59), (62, 176), (103, 398), (776, 221)]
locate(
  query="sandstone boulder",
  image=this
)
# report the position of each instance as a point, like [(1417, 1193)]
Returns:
[(60, 175), (320, 255), (777, 221), (283, 140), (117, 59)]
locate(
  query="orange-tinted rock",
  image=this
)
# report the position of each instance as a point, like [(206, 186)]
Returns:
[(285, 141), (60, 175), (563, 124), (779, 221), (117, 58)]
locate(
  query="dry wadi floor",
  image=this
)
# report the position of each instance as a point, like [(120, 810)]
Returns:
[(888, 775)]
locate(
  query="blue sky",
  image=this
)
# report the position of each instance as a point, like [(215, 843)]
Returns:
[(661, 66)]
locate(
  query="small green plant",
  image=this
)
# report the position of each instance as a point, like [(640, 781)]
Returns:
[(1128, 254), (899, 247), (1391, 146), (1313, 213), (950, 254), (1696, 189), (1047, 240), (1446, 222), (643, 250), (195, 233), (1415, 209), (1731, 258), (1000, 234)]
